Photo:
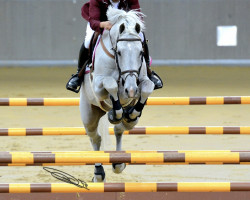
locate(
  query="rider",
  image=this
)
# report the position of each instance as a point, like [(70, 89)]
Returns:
[(94, 12)]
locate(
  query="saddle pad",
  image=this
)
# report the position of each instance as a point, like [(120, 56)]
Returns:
[(91, 66)]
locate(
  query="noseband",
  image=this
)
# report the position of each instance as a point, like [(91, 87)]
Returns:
[(135, 73)]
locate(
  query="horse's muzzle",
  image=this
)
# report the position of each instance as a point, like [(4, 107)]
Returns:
[(131, 92)]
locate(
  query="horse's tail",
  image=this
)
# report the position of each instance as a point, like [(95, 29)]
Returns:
[(103, 129)]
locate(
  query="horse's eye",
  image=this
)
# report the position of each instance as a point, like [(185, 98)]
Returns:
[(119, 53)]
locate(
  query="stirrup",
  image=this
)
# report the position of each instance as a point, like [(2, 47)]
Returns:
[(155, 78), (73, 89)]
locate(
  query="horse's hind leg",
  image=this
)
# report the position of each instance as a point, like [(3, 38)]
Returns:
[(90, 117), (119, 129)]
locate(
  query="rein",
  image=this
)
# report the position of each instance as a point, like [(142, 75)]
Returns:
[(115, 56), (106, 50)]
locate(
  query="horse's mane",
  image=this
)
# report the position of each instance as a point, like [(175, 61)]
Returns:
[(130, 18)]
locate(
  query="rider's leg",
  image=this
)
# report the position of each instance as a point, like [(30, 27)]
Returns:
[(151, 74), (75, 81)]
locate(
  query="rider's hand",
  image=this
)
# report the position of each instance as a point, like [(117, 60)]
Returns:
[(106, 25)]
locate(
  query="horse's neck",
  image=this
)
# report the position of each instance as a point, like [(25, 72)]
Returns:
[(104, 65), (102, 55)]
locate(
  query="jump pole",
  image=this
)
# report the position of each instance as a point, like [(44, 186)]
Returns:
[(101, 152), (190, 157), (216, 100), (124, 187), (154, 130)]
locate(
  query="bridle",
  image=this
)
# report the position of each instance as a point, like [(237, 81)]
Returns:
[(135, 73)]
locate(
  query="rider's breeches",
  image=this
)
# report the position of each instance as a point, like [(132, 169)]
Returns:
[(90, 32)]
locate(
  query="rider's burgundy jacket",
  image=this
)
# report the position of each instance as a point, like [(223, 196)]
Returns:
[(94, 11)]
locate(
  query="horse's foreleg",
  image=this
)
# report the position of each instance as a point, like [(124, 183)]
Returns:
[(115, 115), (147, 88)]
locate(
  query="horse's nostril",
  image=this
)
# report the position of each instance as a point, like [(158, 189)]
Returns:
[(126, 90)]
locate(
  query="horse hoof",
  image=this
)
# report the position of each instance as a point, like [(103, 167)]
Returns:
[(112, 118), (127, 112), (99, 174), (98, 179), (118, 167)]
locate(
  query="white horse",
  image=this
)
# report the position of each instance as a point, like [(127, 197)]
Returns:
[(118, 84)]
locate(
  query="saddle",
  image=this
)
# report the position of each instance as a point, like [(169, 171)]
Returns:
[(90, 55)]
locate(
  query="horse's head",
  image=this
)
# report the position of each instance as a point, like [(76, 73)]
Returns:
[(127, 46)]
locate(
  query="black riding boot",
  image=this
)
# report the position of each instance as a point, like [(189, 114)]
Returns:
[(151, 74), (74, 84)]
